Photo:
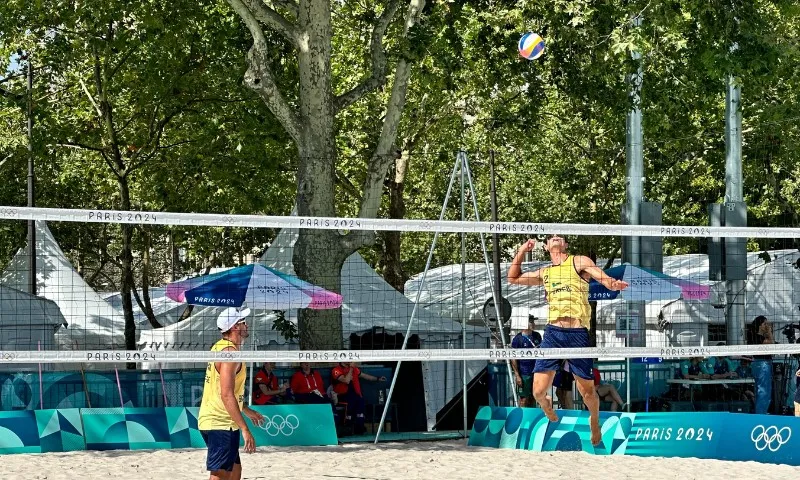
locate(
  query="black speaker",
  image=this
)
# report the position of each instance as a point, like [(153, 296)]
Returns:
[(735, 248), (716, 262), (727, 257), (651, 249)]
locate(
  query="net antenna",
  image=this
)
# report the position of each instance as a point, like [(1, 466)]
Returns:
[(460, 167)]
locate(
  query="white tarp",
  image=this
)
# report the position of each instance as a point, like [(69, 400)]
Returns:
[(166, 310), (91, 322), (28, 322)]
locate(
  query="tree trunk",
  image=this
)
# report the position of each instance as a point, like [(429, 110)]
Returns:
[(127, 270), (318, 258), (318, 254), (147, 306), (390, 256)]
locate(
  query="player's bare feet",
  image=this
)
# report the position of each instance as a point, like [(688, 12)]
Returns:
[(547, 408), (594, 425)]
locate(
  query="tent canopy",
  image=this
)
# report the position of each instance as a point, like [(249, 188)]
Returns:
[(27, 322), (91, 322)]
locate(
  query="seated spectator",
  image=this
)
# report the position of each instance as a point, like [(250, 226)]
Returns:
[(346, 381), (266, 390), (607, 392), (722, 367), (743, 369), (307, 385), (694, 369)]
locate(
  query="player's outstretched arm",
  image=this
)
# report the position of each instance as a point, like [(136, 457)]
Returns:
[(585, 265), (515, 275)]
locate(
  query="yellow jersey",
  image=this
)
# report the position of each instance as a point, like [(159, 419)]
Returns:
[(213, 415), (566, 292)]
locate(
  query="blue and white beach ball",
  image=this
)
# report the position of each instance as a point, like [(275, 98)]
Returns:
[(531, 46)]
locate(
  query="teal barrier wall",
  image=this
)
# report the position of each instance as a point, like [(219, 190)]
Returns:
[(41, 431), (726, 436), (125, 428), (28, 431), (141, 389)]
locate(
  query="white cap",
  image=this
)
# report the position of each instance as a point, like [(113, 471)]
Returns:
[(230, 317)]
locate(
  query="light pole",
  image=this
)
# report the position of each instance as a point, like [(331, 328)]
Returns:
[(31, 178)]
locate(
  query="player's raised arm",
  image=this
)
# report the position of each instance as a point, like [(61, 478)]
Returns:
[(515, 274), (585, 266)]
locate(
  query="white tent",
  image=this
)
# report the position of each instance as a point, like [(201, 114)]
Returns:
[(91, 322), (772, 289), (368, 301), (27, 322)]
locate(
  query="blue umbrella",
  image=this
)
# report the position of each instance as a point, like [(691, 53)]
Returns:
[(646, 285), (255, 285)]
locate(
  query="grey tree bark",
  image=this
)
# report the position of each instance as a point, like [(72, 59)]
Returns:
[(307, 25)]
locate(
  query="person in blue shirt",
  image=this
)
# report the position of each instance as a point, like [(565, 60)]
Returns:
[(722, 367), (759, 332), (523, 369)]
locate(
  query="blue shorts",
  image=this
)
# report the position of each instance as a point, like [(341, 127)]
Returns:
[(223, 449), (558, 337)]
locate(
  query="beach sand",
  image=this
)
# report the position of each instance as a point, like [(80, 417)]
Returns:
[(406, 461)]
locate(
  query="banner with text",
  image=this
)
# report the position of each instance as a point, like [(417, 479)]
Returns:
[(724, 436)]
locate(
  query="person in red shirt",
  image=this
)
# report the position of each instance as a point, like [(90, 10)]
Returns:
[(266, 390), (307, 385), (346, 380)]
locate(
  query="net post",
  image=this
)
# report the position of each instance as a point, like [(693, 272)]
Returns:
[(463, 157), (163, 385)]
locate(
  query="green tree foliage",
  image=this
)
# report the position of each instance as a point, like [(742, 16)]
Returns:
[(346, 111)]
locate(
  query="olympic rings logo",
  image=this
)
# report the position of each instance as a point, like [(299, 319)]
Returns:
[(770, 437), (278, 425), (7, 356)]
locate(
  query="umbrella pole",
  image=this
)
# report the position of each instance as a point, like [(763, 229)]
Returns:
[(41, 392), (250, 375), (119, 388), (627, 359)]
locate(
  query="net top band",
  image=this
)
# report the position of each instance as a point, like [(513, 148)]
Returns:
[(325, 356), (383, 224)]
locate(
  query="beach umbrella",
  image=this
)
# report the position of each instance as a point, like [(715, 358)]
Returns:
[(255, 286), (646, 285)]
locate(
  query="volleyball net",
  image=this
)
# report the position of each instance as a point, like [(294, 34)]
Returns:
[(425, 286), (421, 302)]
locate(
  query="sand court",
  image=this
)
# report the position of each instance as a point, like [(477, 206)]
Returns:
[(390, 461)]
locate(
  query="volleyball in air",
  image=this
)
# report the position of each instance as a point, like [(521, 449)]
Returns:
[(531, 46)]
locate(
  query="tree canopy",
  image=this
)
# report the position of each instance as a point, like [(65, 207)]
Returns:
[(358, 109)]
